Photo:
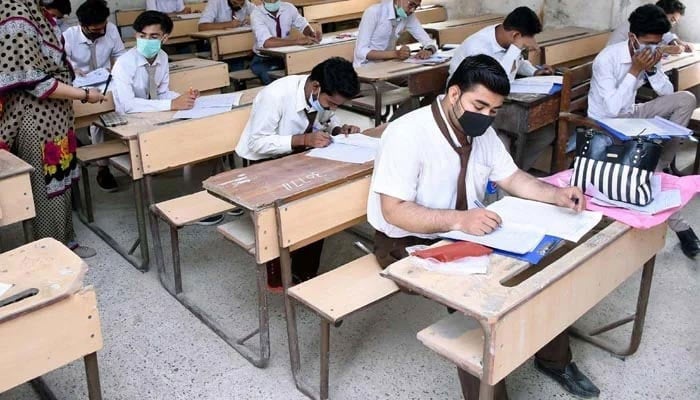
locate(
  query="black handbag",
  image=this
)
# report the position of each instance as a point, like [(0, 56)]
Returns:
[(621, 171)]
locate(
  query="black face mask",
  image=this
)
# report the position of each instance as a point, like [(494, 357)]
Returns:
[(92, 36), (473, 124), (234, 8)]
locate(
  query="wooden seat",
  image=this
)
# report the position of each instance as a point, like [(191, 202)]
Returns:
[(191, 208), (390, 100), (458, 339), (100, 151), (344, 290), (241, 78), (240, 231)]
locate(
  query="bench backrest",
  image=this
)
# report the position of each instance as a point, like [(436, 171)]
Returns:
[(575, 87)]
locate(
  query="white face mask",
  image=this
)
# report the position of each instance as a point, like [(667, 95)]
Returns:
[(639, 47), (511, 61)]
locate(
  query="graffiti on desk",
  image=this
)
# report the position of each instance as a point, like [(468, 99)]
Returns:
[(298, 183), (237, 181)]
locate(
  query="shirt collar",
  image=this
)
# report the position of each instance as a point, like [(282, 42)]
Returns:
[(388, 11), (83, 38), (141, 60), (495, 47), (302, 104), (453, 135)]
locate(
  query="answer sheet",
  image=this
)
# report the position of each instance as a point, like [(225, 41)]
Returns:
[(206, 106), (511, 237), (92, 78), (355, 149)]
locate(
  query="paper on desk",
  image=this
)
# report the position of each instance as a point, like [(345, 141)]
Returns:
[(4, 287), (532, 87), (189, 16), (511, 236), (345, 153), (206, 106), (343, 37), (358, 140), (542, 79), (633, 127), (663, 200), (553, 220), (435, 59), (92, 78)]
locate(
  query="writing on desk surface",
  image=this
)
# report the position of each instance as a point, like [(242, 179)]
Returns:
[(301, 182), (239, 180)]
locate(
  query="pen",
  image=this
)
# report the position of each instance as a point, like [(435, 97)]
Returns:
[(104, 92), (479, 204)]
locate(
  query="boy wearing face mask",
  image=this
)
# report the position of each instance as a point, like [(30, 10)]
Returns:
[(674, 10), (431, 169), (293, 114), (272, 23), (380, 28), (226, 14), (620, 70), (94, 43)]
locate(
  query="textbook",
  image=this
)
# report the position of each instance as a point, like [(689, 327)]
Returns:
[(628, 128)]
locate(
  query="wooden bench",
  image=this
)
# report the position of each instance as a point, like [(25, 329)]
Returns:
[(456, 31), (47, 318), (240, 79), (339, 293), (16, 198), (391, 98), (569, 46)]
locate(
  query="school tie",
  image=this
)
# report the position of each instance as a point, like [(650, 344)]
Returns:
[(392, 39), (152, 87), (464, 150), (93, 56), (278, 27), (312, 118)]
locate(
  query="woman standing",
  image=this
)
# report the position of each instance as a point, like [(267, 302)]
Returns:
[(36, 113)]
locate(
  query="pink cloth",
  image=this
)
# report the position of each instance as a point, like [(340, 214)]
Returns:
[(688, 185)]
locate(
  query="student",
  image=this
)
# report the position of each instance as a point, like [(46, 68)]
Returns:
[(226, 14), (674, 10), (293, 114), (432, 167), (622, 68), (272, 23), (59, 9), (507, 42), (94, 43), (380, 28), (170, 7)]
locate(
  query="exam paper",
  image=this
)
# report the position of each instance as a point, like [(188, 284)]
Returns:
[(189, 16), (511, 236), (633, 127), (92, 78), (206, 106), (358, 139), (663, 200), (432, 60), (541, 79), (345, 153)]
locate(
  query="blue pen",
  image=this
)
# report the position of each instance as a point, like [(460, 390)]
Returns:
[(481, 205)]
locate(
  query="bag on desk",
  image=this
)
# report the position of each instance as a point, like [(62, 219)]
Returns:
[(620, 171)]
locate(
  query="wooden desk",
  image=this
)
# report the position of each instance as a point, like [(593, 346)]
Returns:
[(570, 44), (457, 30), (127, 17), (16, 199), (57, 324), (432, 13), (206, 75), (302, 59), (305, 3), (684, 69), (336, 11), (509, 309), (523, 114)]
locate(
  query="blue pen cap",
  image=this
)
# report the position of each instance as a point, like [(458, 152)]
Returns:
[(491, 188)]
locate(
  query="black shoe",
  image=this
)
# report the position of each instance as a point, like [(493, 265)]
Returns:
[(571, 379), (106, 181), (690, 244), (211, 220)]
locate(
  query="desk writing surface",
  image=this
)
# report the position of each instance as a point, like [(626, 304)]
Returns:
[(384, 70), (11, 165), (220, 32), (553, 35), (681, 60), (261, 185), (462, 21)]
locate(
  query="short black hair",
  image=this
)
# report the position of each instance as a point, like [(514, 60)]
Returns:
[(151, 17), (481, 70), (336, 75), (671, 6), (523, 20), (63, 6), (92, 12), (649, 19)]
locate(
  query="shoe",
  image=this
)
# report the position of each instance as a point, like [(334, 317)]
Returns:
[(84, 252), (689, 243), (211, 220), (106, 181), (236, 212), (571, 379)]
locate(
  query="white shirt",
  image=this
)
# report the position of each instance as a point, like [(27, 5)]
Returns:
[(218, 11), (107, 47), (278, 113), (415, 163), (130, 83), (379, 23), (621, 34), (613, 88), (264, 24), (484, 42), (165, 6)]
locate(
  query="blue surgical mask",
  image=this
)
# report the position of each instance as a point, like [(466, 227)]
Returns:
[(272, 7), (148, 48), (400, 12), (315, 104)]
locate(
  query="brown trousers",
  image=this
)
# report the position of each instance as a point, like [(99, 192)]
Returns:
[(555, 354)]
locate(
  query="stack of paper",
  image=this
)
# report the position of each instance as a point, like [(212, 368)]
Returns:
[(435, 59), (206, 106), (355, 149), (663, 200), (537, 84), (92, 78), (626, 128)]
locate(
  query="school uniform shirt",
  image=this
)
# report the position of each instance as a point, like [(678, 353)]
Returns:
[(218, 11), (130, 83), (621, 34), (279, 112), (165, 6), (613, 88), (107, 47), (380, 28), (264, 24), (415, 163), (484, 42)]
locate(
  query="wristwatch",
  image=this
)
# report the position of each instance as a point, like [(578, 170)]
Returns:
[(87, 95)]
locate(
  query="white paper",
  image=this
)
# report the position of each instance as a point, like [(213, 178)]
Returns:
[(663, 200), (4, 287), (633, 127), (512, 237), (206, 106), (344, 37), (542, 79), (92, 78), (189, 16), (553, 220), (432, 60), (358, 140), (344, 152), (533, 88)]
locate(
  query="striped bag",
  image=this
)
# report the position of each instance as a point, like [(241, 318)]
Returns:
[(620, 171)]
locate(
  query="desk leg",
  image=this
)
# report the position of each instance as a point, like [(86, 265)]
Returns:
[(42, 389), (377, 104), (637, 318), (214, 44), (486, 391), (92, 374)]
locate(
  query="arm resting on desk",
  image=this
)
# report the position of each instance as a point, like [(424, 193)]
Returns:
[(526, 186)]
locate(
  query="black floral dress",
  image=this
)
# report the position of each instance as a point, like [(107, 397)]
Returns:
[(36, 128)]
